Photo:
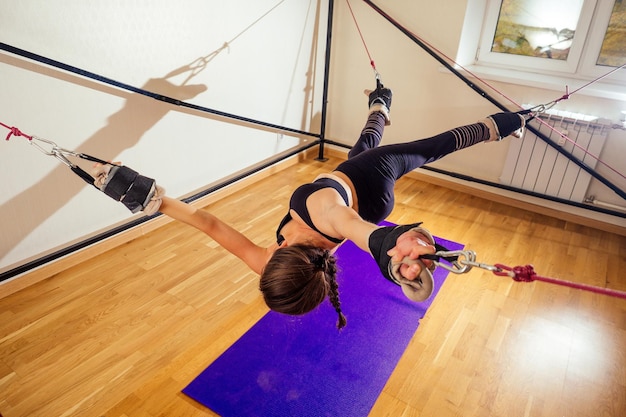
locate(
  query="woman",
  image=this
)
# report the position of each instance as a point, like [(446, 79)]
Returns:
[(298, 271)]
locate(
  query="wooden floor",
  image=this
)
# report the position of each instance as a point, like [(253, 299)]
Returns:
[(123, 333)]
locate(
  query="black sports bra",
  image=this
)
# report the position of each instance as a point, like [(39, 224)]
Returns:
[(297, 203)]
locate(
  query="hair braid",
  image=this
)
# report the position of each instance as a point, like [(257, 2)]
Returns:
[(333, 295), (327, 264)]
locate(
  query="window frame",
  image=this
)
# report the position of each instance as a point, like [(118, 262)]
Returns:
[(598, 28), (578, 69), (528, 63)]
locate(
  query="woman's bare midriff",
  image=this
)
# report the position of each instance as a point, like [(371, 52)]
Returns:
[(344, 177)]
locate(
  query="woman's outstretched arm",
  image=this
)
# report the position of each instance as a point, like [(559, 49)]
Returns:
[(226, 236), (137, 193), (412, 244)]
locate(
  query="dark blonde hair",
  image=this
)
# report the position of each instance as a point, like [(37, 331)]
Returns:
[(298, 278)]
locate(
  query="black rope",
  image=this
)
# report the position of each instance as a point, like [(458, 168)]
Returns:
[(322, 137), (21, 269), (95, 239), (160, 97), (432, 53), (506, 187)]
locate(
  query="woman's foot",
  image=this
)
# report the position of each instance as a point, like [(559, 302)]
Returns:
[(502, 125), (380, 101)]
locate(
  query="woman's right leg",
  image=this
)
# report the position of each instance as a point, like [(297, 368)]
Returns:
[(371, 135), (379, 102)]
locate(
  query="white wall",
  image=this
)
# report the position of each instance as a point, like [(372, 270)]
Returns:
[(428, 100), (261, 59), (267, 73)]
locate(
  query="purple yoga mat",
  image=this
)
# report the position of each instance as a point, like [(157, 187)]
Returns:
[(303, 366)]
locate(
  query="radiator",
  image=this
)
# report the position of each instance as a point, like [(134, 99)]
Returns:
[(533, 165)]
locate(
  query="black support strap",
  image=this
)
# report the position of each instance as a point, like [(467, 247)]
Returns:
[(382, 240)]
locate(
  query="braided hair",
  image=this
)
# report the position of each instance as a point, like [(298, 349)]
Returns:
[(298, 278)]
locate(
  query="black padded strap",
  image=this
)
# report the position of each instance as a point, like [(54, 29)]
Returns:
[(120, 179), (138, 195), (506, 123), (131, 189), (382, 240)]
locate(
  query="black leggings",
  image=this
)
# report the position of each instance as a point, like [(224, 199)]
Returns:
[(374, 170)]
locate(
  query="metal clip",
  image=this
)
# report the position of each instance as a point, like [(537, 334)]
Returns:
[(465, 260), (379, 81), (538, 109), (481, 265), (54, 150)]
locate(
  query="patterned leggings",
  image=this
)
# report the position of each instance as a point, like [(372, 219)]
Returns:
[(374, 170)]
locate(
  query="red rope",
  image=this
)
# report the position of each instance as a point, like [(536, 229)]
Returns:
[(527, 274), (596, 80), (361, 35), (14, 131)]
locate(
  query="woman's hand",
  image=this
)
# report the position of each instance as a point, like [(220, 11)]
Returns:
[(411, 244), (100, 172), (135, 191)]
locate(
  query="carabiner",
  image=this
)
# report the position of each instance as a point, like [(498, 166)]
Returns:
[(35, 142), (486, 267), (538, 109), (55, 150), (463, 262)]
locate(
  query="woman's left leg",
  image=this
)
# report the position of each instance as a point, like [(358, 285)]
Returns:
[(375, 171)]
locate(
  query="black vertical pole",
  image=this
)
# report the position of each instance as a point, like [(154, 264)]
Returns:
[(329, 31)]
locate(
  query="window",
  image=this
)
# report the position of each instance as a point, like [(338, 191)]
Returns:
[(611, 51), (547, 29), (567, 42)]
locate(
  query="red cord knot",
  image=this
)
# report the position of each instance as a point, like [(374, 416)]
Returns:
[(14, 131), (524, 273), (519, 273), (566, 95)]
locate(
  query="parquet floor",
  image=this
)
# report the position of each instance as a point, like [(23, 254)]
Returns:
[(121, 334)]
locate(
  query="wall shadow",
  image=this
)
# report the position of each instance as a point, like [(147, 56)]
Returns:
[(124, 129)]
